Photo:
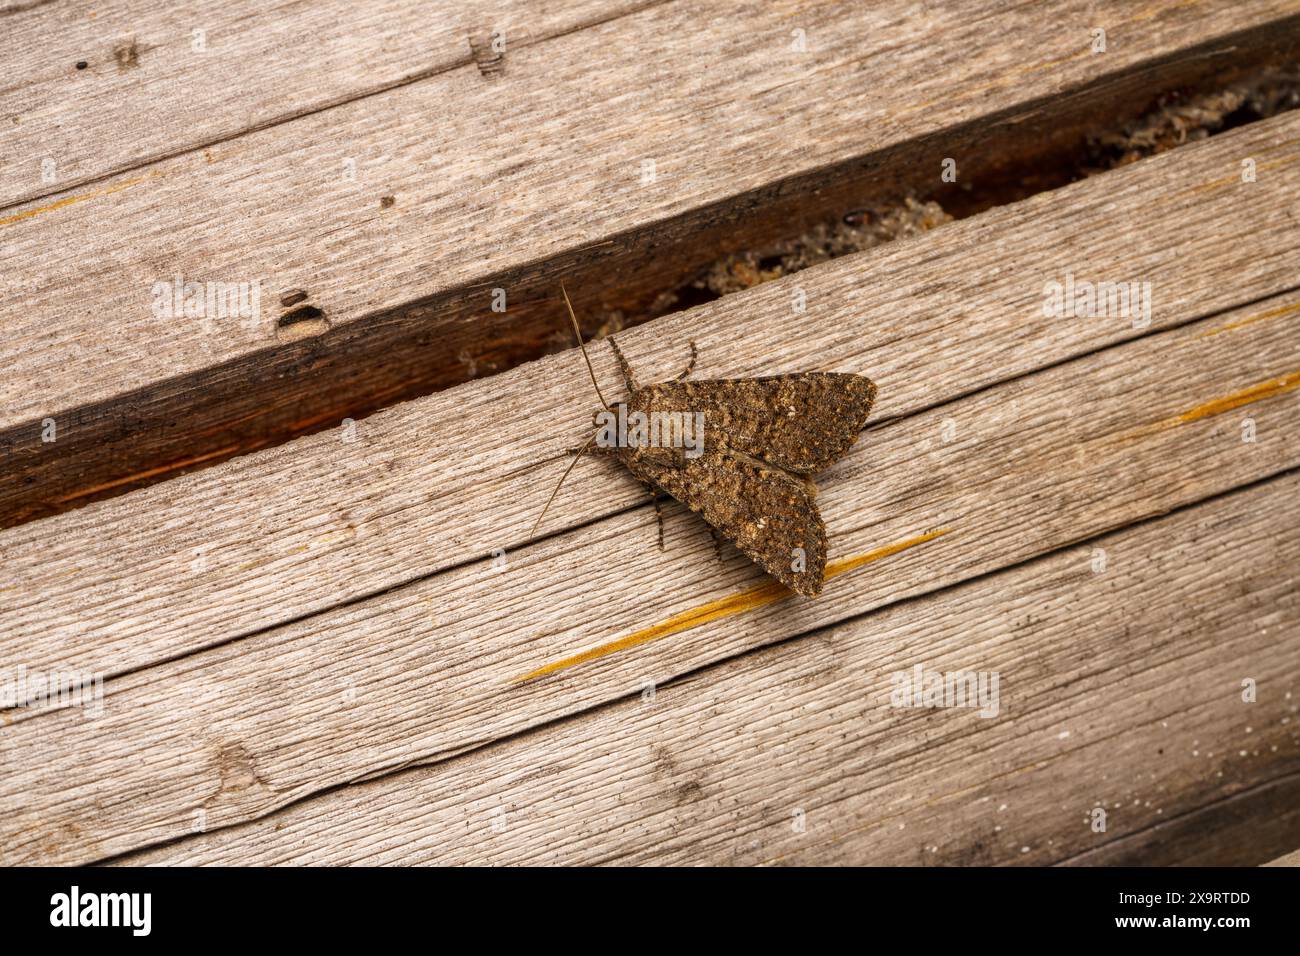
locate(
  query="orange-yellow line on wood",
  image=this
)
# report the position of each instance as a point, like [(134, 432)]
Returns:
[(73, 200), (1252, 319), (1217, 406), (141, 475), (723, 607), (1261, 390)]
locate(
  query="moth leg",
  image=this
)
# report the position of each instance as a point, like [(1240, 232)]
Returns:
[(659, 514), (592, 447), (690, 366), (622, 364)]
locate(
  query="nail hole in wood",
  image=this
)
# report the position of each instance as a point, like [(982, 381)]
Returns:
[(301, 323)]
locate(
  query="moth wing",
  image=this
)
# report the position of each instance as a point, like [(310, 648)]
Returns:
[(801, 423), (769, 514)]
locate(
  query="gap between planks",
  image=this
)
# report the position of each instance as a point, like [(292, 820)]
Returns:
[(439, 483), (280, 213)]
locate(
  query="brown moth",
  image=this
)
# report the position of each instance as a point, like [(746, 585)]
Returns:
[(740, 452)]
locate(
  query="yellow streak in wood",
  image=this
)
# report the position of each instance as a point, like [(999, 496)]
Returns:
[(723, 607), (1261, 390), (1217, 406), (79, 197), (1251, 320), (1225, 181)]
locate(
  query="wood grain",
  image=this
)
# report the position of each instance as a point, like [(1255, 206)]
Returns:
[(511, 182), (437, 483), (1118, 690), (254, 66), (430, 670), (1242, 825)]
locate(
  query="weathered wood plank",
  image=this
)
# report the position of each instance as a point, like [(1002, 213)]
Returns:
[(433, 669), (183, 76), (432, 484), (512, 182), (1243, 826), (1118, 689), (1291, 859)]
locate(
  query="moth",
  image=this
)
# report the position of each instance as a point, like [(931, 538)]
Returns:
[(741, 453)]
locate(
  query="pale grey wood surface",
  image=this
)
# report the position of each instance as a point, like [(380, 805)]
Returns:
[(445, 480), (1119, 688), (523, 174), (424, 672), (162, 79)]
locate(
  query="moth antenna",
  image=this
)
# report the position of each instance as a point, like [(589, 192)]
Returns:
[(578, 332), (538, 522)]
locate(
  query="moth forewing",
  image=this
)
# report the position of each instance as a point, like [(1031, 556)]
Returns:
[(769, 514), (801, 422)]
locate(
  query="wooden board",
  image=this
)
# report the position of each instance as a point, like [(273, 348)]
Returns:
[(402, 260), (248, 67), (441, 482), (1118, 689), (1243, 824), (452, 662)]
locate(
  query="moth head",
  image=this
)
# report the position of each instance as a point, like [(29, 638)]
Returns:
[(608, 421), (604, 416)]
